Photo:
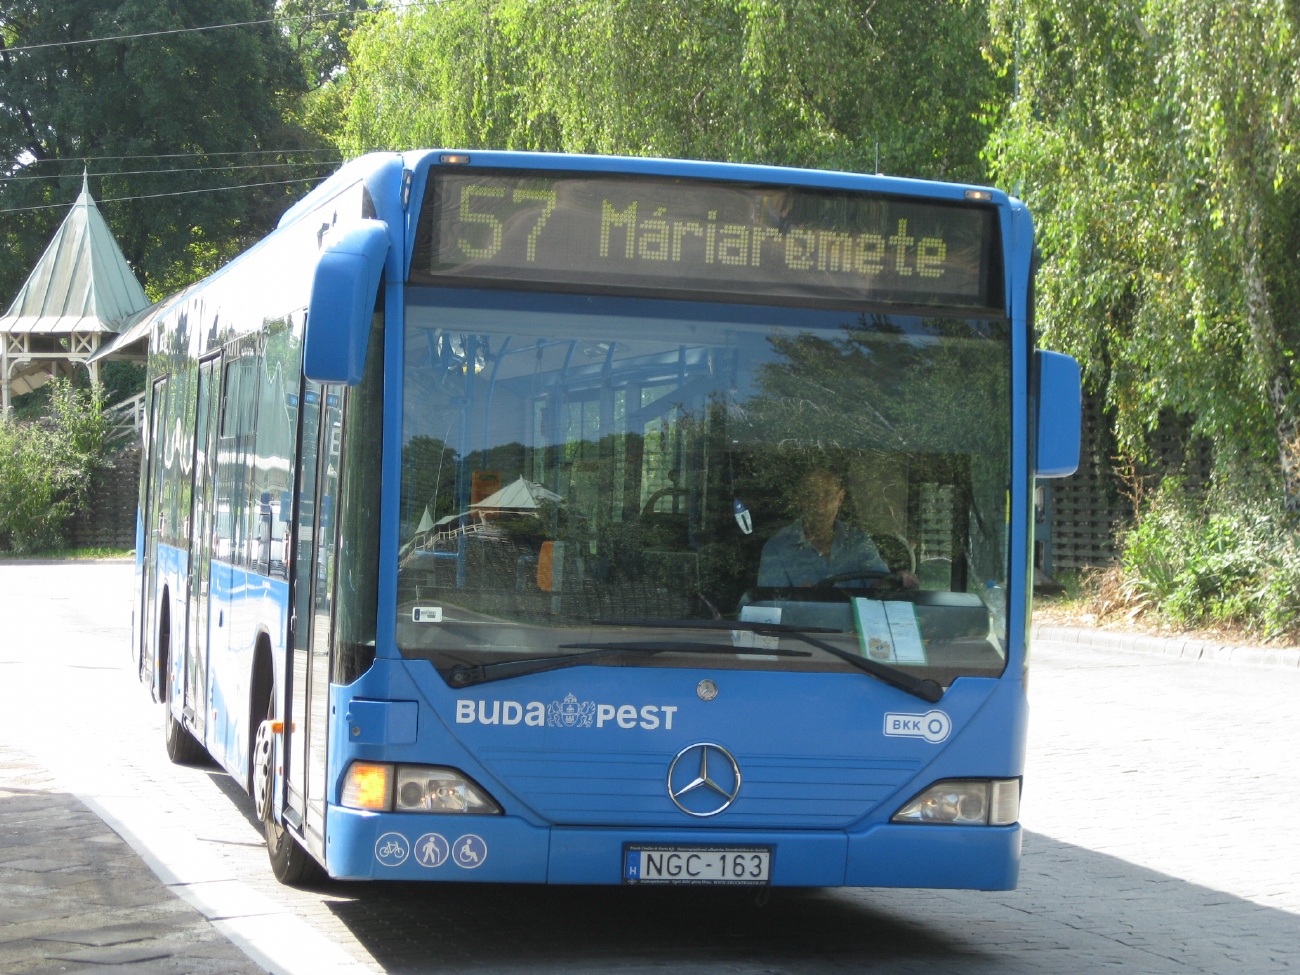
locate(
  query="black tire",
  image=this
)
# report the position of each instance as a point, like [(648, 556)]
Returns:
[(182, 747), (290, 863)]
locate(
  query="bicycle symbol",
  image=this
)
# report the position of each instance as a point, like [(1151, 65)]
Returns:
[(392, 849), (469, 851)]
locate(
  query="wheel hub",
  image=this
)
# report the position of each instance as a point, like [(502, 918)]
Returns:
[(263, 750)]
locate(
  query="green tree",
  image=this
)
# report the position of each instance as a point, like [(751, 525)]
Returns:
[(1156, 144), (49, 467), (215, 92), (793, 82)]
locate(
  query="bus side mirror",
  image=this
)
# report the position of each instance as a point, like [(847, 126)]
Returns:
[(1060, 415), (343, 293)]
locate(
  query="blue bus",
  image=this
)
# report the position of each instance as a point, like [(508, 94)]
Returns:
[(584, 520)]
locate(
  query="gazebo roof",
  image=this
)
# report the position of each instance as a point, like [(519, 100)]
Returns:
[(82, 282), (522, 495)]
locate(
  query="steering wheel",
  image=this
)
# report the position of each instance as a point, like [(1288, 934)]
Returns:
[(892, 580)]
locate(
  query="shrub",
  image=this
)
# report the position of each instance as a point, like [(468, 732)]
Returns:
[(49, 467), (1224, 559)]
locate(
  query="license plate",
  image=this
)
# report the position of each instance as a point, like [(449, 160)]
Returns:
[(697, 864)]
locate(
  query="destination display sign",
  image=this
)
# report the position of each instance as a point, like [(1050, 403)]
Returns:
[(691, 238)]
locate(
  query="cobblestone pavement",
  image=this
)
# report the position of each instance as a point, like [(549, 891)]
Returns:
[(1158, 794), (75, 898)]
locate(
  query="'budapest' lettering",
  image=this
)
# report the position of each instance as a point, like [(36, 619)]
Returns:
[(569, 713)]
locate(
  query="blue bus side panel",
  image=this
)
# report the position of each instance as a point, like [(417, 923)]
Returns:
[(245, 606), (1018, 249), (172, 586)]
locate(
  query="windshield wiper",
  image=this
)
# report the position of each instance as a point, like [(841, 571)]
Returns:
[(922, 687), (464, 675), (745, 625)]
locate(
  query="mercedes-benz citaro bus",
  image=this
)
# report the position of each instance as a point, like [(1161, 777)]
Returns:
[(584, 520)]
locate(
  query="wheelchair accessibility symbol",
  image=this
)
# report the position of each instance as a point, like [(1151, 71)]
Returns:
[(469, 851), (391, 849), (431, 850)]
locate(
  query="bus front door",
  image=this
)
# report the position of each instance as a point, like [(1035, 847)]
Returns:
[(310, 665), (295, 728), (201, 529), (149, 628)]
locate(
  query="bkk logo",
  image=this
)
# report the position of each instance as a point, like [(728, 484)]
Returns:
[(569, 713), (933, 726)]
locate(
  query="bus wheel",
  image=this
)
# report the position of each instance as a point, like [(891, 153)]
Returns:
[(263, 783), (290, 863), (182, 747)]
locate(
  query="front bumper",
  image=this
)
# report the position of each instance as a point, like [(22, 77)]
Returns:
[(506, 849)]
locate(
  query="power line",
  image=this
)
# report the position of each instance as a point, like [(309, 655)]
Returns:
[(193, 30), (188, 169), (154, 196), (79, 160)]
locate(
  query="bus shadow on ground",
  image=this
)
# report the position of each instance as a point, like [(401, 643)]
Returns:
[(1075, 911)]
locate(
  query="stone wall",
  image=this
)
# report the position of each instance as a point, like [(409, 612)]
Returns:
[(109, 521), (1091, 507)]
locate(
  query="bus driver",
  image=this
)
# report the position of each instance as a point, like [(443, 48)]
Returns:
[(819, 545)]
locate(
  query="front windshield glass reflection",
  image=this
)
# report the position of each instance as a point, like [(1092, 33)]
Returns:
[(581, 473)]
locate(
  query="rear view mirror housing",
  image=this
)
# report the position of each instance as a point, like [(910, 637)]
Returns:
[(1059, 416), (343, 293)]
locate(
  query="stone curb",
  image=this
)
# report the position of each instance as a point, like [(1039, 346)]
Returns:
[(1285, 657)]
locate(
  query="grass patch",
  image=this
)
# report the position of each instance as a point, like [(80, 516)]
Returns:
[(71, 554)]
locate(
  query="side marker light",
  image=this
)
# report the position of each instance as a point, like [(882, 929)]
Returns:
[(454, 159)]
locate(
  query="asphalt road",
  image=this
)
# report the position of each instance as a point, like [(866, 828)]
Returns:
[(1160, 801)]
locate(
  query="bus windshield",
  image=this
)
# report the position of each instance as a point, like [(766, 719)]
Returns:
[(660, 479)]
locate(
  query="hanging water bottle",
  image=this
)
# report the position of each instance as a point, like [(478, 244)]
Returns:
[(743, 518)]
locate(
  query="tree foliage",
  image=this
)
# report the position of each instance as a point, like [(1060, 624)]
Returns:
[(49, 467), (213, 94), (791, 82), (1156, 144)]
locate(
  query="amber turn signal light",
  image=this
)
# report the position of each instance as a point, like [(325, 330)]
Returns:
[(368, 786)]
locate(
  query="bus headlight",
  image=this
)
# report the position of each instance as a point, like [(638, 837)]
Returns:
[(413, 788), (423, 788), (964, 802)]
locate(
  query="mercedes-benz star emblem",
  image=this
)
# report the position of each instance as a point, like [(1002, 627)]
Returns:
[(703, 779)]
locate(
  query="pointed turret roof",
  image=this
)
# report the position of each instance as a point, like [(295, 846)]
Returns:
[(82, 282), (522, 495)]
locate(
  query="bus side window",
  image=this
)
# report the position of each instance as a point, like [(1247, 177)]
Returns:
[(173, 446), (273, 461), (238, 407)]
